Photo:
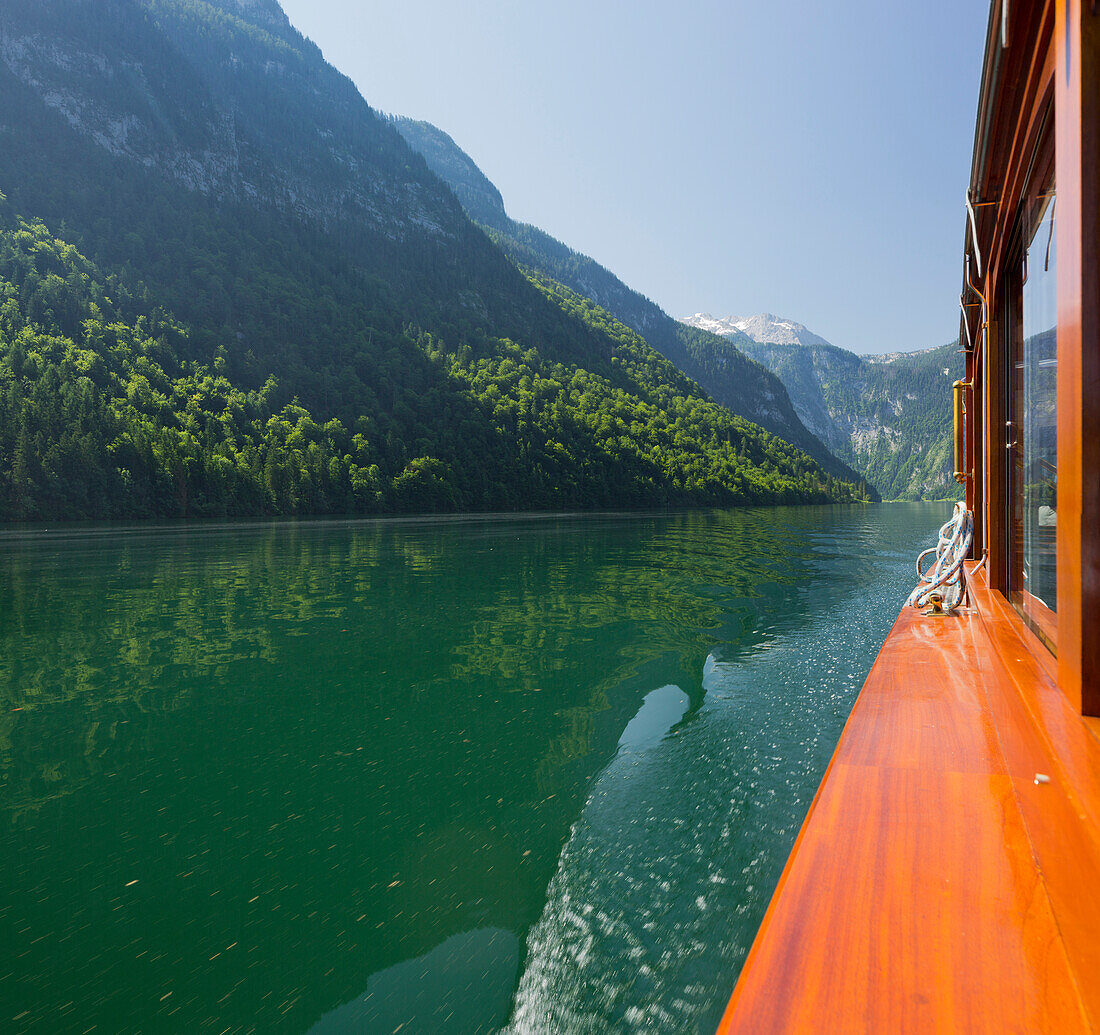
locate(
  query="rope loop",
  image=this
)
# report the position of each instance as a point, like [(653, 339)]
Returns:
[(947, 576), (920, 558)]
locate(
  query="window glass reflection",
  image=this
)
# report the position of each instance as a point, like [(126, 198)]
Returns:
[(1036, 426)]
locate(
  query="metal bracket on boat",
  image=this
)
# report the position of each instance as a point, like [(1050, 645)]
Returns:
[(936, 611)]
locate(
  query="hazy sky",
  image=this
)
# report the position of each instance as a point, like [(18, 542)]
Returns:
[(803, 158)]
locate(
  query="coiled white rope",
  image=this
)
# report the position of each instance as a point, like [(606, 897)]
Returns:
[(946, 577)]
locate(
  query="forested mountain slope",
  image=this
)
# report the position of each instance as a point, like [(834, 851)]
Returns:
[(888, 416), (711, 360), (246, 294)]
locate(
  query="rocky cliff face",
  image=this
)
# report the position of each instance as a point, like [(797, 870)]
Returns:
[(889, 417), (160, 83), (122, 106)]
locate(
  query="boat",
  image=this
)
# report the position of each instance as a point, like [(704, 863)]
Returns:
[(947, 875)]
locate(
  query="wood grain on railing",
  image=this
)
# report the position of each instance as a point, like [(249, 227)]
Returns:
[(935, 885)]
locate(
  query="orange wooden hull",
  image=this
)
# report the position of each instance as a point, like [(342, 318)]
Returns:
[(947, 877), (935, 885)]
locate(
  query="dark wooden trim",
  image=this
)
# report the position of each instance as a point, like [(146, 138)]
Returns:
[(1077, 86), (978, 436), (1019, 112), (1090, 374), (1053, 59)]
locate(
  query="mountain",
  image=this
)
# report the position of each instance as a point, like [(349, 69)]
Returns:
[(764, 327), (887, 416), (479, 197), (713, 361), (228, 286)]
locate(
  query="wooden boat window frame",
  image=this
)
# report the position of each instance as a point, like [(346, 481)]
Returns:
[(1039, 182), (1060, 61)]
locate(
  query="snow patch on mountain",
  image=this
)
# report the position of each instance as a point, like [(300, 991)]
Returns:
[(763, 328)]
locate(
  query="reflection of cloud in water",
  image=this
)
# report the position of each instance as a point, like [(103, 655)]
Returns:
[(463, 986), (660, 711)]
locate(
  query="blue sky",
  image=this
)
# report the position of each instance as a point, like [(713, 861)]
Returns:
[(803, 158)]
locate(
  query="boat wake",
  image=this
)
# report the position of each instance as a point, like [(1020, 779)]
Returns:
[(574, 980), (666, 872)]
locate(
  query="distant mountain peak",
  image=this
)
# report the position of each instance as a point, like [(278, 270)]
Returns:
[(766, 328)]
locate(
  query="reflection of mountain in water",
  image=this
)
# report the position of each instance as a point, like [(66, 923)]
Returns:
[(257, 765)]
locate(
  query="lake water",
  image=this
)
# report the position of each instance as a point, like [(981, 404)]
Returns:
[(536, 774)]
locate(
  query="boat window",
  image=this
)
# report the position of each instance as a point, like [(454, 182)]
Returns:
[(1032, 431)]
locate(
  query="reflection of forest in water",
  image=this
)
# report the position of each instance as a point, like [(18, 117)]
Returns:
[(129, 625), (321, 749)]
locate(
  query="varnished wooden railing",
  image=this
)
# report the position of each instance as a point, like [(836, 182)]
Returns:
[(937, 884)]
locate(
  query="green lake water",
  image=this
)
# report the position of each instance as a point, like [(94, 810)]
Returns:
[(532, 774)]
